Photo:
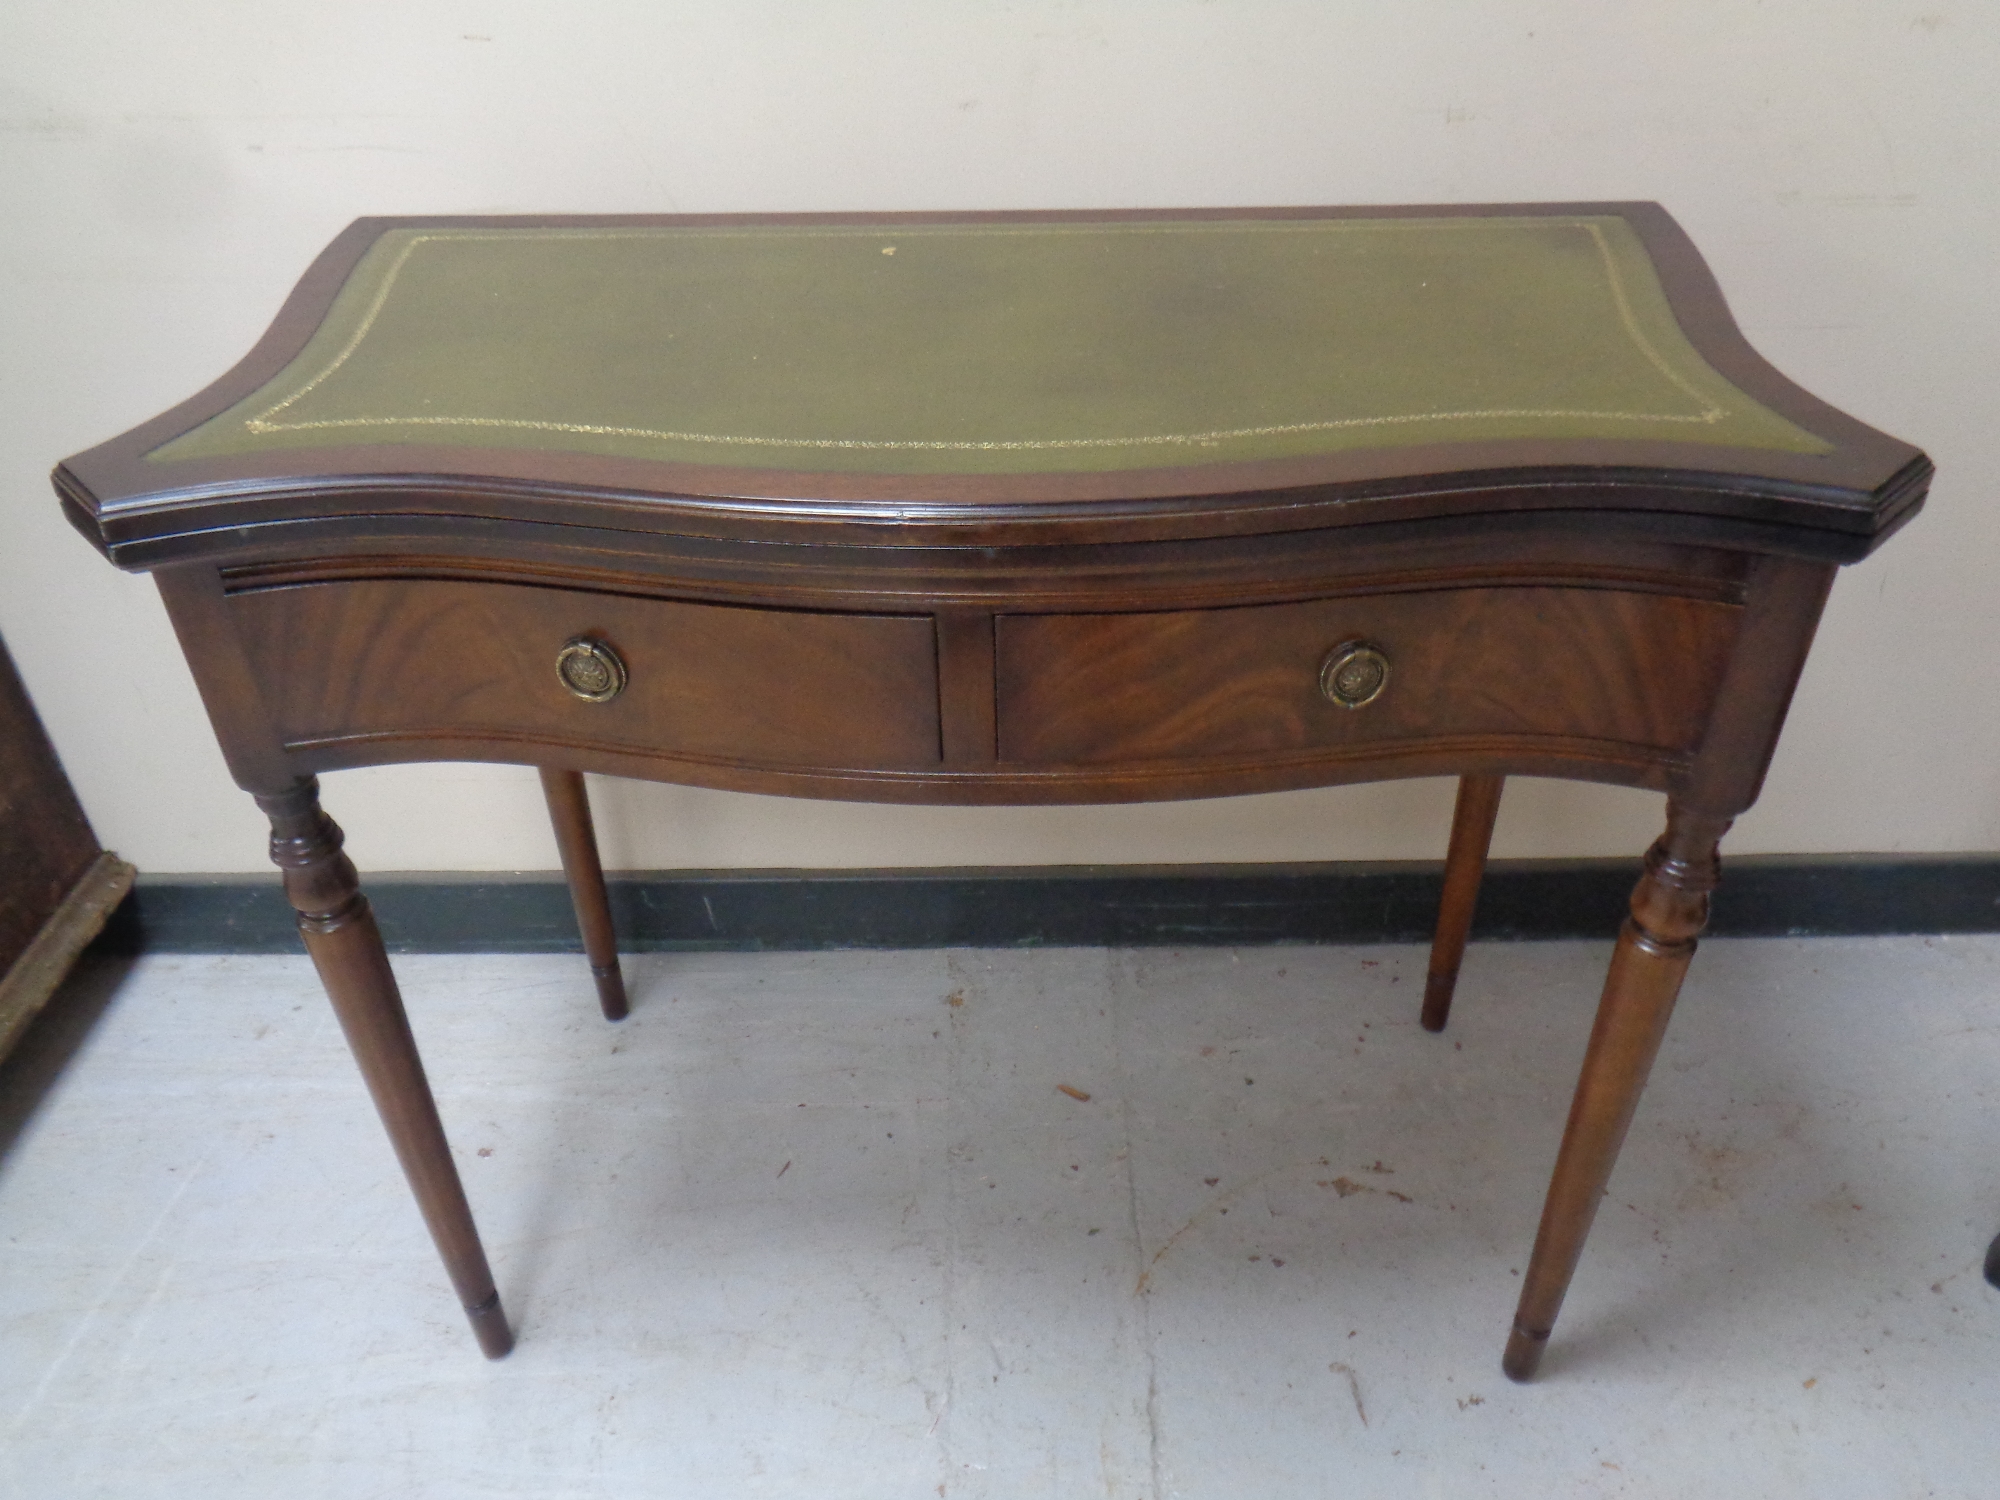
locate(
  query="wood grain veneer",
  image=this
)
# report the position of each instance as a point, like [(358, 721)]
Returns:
[(1565, 665)]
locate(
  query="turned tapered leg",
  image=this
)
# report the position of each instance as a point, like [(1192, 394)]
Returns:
[(1669, 910), (569, 811), (1464, 865), (346, 948)]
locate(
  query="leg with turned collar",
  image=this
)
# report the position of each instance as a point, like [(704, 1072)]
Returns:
[(346, 948), (576, 839), (1464, 866), (1669, 910)]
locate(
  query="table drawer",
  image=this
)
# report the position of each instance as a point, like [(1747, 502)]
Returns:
[(1569, 663), (452, 660)]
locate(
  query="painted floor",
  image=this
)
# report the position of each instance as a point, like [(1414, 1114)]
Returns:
[(1008, 1224)]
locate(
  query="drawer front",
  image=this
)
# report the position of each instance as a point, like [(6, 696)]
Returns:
[(461, 660), (1570, 663)]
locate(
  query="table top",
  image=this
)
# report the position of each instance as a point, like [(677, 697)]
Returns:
[(1002, 378), (997, 348)]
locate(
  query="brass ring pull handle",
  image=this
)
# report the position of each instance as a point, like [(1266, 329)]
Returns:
[(591, 670), (1354, 674)]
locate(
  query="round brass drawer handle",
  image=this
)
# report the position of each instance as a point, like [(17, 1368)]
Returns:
[(1354, 674), (591, 670)]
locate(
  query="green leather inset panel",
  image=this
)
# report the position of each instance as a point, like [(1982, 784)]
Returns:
[(999, 348)]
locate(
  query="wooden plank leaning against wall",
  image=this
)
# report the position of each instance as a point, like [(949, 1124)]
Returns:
[(57, 887)]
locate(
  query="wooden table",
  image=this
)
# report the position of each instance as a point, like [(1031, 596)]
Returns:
[(1006, 508)]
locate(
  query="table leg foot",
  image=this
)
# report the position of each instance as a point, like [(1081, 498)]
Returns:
[(1524, 1354), (576, 838), (346, 948), (1464, 865), (489, 1326), (610, 981), (1669, 910)]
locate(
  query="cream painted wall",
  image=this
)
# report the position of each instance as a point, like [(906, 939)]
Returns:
[(167, 170)]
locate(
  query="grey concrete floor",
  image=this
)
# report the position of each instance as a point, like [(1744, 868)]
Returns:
[(1148, 1223)]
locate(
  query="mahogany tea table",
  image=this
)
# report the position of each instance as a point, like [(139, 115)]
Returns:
[(1006, 508)]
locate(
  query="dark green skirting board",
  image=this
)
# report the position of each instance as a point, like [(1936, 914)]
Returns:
[(1079, 906)]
